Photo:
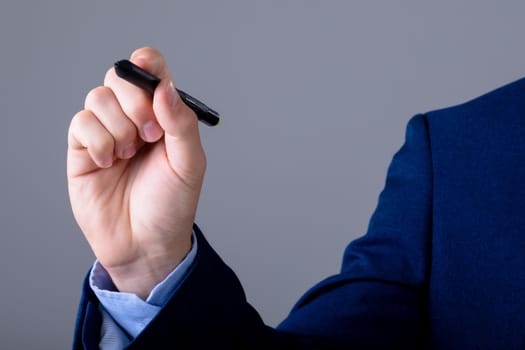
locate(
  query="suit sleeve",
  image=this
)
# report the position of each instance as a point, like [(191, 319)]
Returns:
[(378, 299)]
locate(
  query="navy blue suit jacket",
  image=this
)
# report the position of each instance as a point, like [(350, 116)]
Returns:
[(442, 264)]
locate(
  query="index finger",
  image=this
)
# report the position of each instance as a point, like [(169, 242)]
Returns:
[(152, 61)]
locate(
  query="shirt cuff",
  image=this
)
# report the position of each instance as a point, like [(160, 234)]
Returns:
[(127, 309)]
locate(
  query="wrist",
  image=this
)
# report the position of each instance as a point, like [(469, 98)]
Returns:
[(141, 275)]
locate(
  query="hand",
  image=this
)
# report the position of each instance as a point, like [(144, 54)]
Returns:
[(135, 170)]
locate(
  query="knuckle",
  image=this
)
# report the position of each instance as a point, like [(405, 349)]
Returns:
[(109, 76), (80, 119), (75, 126), (97, 96)]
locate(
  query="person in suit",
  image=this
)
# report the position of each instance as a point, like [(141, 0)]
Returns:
[(441, 266)]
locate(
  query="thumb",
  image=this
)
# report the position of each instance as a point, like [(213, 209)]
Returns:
[(181, 130)]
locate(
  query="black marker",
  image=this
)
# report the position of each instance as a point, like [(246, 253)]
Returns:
[(148, 82)]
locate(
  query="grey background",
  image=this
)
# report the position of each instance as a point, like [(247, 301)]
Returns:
[(315, 96)]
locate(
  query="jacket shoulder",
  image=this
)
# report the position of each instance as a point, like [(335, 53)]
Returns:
[(505, 101)]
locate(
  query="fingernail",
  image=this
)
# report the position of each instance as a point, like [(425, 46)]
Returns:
[(148, 62), (151, 131), (128, 151), (107, 162), (173, 96)]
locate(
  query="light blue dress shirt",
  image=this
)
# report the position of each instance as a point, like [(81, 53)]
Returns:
[(125, 315)]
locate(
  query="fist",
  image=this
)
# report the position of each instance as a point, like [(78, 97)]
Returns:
[(135, 167)]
